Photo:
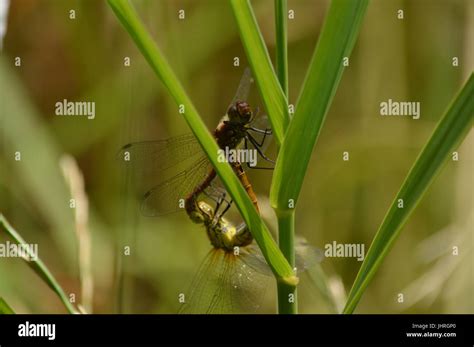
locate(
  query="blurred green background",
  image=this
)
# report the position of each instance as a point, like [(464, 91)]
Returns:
[(343, 201)]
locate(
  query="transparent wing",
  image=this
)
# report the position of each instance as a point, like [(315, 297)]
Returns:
[(306, 255), (243, 89), (167, 196), (204, 284), (165, 171), (248, 285), (225, 284), (254, 258), (151, 157)]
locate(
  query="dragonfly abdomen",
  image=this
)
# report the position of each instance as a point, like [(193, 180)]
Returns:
[(191, 200), (242, 175)]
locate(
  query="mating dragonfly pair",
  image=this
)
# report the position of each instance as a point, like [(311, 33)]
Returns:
[(231, 278)]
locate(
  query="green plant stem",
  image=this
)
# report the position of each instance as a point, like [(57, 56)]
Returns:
[(38, 266), (286, 220), (287, 299), (281, 60), (335, 42)]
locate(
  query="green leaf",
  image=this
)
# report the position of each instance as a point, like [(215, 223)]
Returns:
[(5, 308), (281, 43), (336, 41), (276, 103), (130, 20), (449, 133), (37, 265)]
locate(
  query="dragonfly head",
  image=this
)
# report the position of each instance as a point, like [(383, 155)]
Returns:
[(203, 214), (240, 112)]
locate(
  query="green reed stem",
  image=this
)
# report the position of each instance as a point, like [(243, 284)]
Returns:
[(287, 296), (287, 299)]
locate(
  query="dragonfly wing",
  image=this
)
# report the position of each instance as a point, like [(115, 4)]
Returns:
[(306, 255), (169, 196), (248, 285), (159, 155), (225, 284), (254, 258), (151, 162), (204, 284), (243, 89)]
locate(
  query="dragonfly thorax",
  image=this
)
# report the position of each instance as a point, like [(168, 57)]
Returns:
[(222, 233)]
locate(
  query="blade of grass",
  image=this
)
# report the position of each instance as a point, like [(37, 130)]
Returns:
[(130, 20), (276, 103), (335, 42), (449, 133), (5, 308), (281, 61), (38, 266)]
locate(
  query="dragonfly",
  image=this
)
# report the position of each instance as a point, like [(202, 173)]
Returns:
[(234, 275), (171, 172)]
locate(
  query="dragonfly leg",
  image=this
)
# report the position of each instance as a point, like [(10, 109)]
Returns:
[(267, 131), (259, 152), (211, 197), (257, 147), (222, 199), (228, 205), (216, 194), (219, 203), (255, 142)]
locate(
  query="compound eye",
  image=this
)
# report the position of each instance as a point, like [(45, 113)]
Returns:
[(233, 112)]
